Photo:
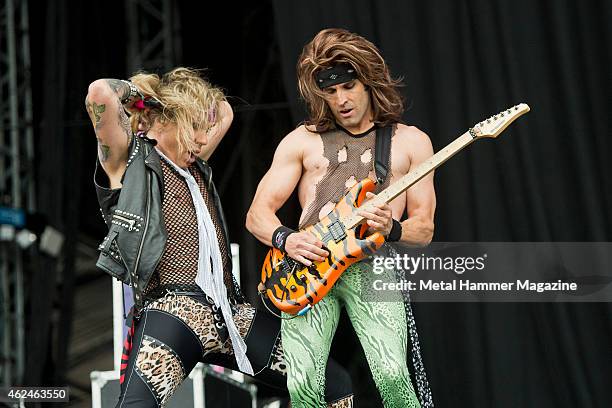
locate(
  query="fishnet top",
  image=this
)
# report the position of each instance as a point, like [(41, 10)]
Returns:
[(178, 264), (351, 159)]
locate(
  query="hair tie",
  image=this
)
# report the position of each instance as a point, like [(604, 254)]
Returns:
[(139, 104), (147, 102)]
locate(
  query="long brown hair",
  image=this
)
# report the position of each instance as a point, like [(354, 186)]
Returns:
[(188, 101), (333, 46)]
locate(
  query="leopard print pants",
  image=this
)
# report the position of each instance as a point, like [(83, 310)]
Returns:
[(174, 333)]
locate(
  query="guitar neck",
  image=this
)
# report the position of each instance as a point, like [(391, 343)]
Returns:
[(415, 175)]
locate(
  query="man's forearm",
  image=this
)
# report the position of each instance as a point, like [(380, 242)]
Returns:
[(262, 227), (417, 231), (108, 116), (126, 91)]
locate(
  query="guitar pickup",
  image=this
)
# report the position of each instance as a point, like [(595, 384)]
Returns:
[(337, 231)]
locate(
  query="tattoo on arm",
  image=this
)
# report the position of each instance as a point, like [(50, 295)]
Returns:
[(124, 122), (103, 151), (95, 113), (119, 87)]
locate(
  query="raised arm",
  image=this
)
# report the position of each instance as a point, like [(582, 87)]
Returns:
[(104, 104), (218, 131), (418, 229)]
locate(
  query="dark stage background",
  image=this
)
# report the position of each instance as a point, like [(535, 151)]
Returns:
[(547, 178)]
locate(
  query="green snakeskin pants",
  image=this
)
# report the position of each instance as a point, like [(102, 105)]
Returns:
[(382, 330)]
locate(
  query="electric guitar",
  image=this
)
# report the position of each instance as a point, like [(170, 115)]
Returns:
[(294, 288)]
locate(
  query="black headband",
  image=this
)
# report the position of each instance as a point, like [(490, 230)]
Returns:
[(338, 74)]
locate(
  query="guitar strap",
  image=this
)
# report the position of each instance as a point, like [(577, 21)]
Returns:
[(381, 168), (381, 151)]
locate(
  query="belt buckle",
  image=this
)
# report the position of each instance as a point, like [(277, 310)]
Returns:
[(170, 295)]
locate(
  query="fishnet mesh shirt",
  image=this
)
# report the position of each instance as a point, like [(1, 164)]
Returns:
[(178, 264), (351, 159), (347, 156)]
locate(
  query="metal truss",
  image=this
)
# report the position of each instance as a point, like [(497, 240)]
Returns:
[(153, 35), (16, 175)]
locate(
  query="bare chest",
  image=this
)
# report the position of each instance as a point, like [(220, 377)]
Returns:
[(314, 168)]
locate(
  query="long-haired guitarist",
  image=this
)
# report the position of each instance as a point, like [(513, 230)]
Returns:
[(349, 93)]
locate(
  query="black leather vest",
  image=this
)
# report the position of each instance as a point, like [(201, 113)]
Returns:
[(137, 234)]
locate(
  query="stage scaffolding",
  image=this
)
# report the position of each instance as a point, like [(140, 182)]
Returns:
[(153, 35), (16, 176)]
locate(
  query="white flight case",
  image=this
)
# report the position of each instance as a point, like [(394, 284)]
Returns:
[(204, 388)]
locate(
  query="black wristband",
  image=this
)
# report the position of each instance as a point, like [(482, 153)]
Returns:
[(396, 232), (279, 237)]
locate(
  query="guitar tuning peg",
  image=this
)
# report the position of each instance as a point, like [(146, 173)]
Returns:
[(516, 107)]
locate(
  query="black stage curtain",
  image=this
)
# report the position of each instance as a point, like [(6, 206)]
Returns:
[(68, 50), (547, 178)]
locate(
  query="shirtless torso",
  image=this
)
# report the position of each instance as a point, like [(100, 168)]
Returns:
[(299, 163), (407, 146)]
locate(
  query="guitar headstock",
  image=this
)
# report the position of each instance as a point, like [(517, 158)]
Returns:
[(496, 124)]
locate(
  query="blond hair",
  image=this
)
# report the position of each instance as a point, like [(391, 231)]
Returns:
[(334, 46), (187, 100)]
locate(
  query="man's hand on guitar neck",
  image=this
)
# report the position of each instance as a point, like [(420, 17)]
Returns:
[(378, 216), (305, 248)]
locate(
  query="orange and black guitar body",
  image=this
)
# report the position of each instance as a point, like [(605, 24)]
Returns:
[(293, 287)]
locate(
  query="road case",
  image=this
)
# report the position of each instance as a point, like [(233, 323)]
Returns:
[(204, 388)]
